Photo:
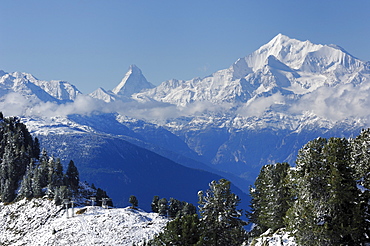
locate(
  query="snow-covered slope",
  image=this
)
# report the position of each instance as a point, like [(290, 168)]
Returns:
[(279, 238), (40, 222)]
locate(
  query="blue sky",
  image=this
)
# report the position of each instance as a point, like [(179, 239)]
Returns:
[(91, 43)]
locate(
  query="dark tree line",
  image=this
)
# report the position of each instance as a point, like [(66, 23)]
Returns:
[(172, 208), (17, 151), (27, 172)]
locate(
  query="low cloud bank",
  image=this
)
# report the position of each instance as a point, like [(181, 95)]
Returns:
[(336, 103), (332, 103)]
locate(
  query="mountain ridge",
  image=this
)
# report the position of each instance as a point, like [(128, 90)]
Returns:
[(260, 110)]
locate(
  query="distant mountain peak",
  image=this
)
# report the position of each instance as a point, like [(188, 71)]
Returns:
[(133, 82), (291, 52), (31, 87), (281, 38), (102, 94), (134, 69)]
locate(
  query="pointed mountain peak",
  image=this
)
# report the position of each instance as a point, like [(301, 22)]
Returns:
[(282, 43), (133, 82), (280, 38), (134, 69)]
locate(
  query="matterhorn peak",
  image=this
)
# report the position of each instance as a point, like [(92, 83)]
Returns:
[(134, 69), (133, 82)]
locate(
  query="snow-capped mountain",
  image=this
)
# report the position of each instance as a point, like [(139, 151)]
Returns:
[(260, 110), (32, 88), (103, 95), (283, 65), (133, 82), (264, 106)]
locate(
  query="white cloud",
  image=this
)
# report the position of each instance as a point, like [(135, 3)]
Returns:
[(336, 103), (15, 104), (333, 103), (259, 105)]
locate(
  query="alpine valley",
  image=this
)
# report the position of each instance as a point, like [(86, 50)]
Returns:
[(172, 139)]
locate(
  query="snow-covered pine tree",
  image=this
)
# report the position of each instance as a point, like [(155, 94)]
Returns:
[(37, 183), (326, 210), (174, 208), (9, 174), (220, 218), (180, 231), (163, 206), (72, 176), (270, 198), (360, 158), (134, 202), (26, 184), (154, 204), (187, 209), (360, 163)]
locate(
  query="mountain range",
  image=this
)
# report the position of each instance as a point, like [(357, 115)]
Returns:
[(174, 138)]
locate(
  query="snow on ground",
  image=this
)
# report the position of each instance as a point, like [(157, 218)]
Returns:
[(40, 222), (280, 237)]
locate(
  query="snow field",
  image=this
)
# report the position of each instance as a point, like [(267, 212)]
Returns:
[(40, 222)]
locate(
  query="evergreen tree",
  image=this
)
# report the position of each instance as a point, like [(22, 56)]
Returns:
[(360, 158), (58, 173), (37, 183), (326, 210), (187, 209), (9, 175), (61, 193), (26, 184), (43, 169), (21, 175), (162, 206), (154, 204), (180, 231), (7, 191), (220, 219), (360, 163), (134, 202), (36, 149), (270, 198), (174, 208), (72, 176), (100, 194)]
